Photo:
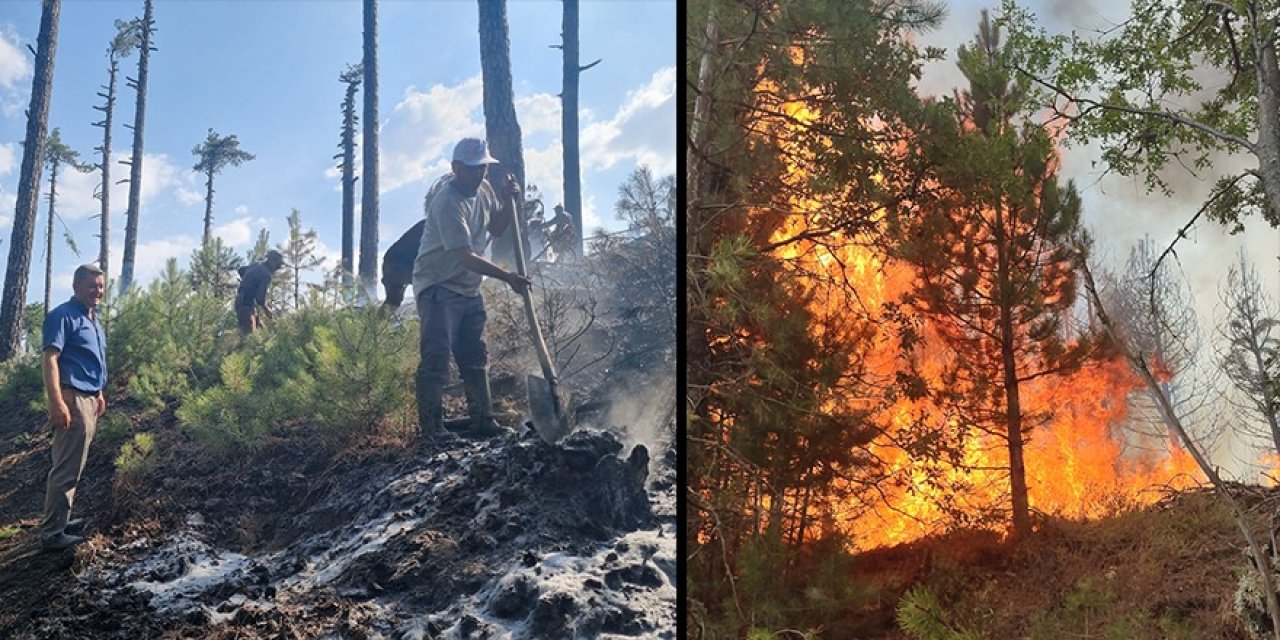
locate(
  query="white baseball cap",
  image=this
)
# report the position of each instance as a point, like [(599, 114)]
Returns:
[(472, 152)]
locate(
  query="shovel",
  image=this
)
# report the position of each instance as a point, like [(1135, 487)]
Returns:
[(547, 404)]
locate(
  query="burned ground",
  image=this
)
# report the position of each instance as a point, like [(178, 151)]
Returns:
[(367, 536)]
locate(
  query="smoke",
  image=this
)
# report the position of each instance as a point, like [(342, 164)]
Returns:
[(645, 411)]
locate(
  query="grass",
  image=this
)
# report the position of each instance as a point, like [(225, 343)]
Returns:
[(9, 531)]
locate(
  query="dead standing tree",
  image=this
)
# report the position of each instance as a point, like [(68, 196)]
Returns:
[(369, 172), (24, 216), (502, 128), (569, 120), (351, 77), (148, 26), (1262, 563), (56, 154), (128, 37), (1251, 357)]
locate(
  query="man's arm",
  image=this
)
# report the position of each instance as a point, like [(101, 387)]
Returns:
[(59, 414), (482, 266), (260, 298)]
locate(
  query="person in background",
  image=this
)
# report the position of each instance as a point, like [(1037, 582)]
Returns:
[(255, 280)]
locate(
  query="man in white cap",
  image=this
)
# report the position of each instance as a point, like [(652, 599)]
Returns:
[(460, 220)]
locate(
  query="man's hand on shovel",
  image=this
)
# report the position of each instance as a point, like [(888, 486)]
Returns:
[(518, 283)]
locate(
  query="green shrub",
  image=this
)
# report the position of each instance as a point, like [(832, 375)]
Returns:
[(920, 615), (22, 384), (112, 428), (364, 367), (135, 459), (167, 340)]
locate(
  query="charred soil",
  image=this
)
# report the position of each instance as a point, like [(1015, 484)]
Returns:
[(365, 536)]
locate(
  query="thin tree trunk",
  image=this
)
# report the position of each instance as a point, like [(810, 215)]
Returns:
[(48, 238), (1268, 146), (135, 164), (1013, 402), (208, 207), (502, 128), (348, 187), (369, 195), (569, 123), (701, 111), (24, 217), (104, 234)]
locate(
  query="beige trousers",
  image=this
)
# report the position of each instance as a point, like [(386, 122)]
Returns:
[(70, 452)]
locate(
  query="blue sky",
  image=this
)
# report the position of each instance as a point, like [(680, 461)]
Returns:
[(267, 71)]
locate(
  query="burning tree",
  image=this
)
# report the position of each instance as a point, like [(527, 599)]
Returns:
[(794, 151), (993, 254)]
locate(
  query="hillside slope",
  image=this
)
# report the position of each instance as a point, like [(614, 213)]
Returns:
[(366, 537)]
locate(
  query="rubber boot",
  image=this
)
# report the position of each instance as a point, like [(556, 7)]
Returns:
[(480, 403), (430, 409)]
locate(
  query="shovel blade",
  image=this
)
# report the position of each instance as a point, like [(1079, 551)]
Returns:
[(549, 410)]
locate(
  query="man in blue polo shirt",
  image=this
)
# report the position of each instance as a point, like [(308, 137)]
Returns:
[(74, 364)]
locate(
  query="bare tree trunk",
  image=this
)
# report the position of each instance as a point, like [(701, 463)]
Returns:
[(24, 216), (369, 195), (701, 111), (108, 109), (348, 187), (502, 129), (569, 122), (48, 238), (135, 163), (1268, 145), (208, 207)]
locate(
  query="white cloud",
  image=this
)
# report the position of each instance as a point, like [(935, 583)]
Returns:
[(8, 157), (15, 64), (242, 209), (538, 113), (237, 233), (642, 131), (15, 67), (590, 216), (151, 256), (159, 174), (422, 128)]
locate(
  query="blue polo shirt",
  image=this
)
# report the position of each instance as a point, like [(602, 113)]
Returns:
[(81, 345)]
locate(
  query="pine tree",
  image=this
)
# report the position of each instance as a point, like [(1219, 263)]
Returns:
[(501, 126), (212, 266), (352, 78), (369, 170), (299, 253), (216, 153), (994, 257), (57, 154)]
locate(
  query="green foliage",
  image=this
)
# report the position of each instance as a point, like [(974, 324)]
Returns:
[(113, 427), (299, 252), (9, 531), (167, 340), (22, 384), (212, 266), (364, 365), (343, 370), (135, 459), (921, 616)]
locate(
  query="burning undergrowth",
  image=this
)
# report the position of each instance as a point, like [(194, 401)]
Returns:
[(504, 539)]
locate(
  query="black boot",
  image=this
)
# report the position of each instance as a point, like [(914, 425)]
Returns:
[(480, 403), (430, 408)]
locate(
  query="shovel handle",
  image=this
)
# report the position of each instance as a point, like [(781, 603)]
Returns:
[(535, 330)]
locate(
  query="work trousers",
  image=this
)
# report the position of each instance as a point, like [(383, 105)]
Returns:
[(70, 452), (451, 323)]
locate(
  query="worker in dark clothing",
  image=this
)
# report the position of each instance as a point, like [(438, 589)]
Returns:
[(397, 265), (397, 262), (254, 283)]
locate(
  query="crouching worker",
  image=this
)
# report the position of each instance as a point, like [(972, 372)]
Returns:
[(255, 280), (74, 367), (460, 219)]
